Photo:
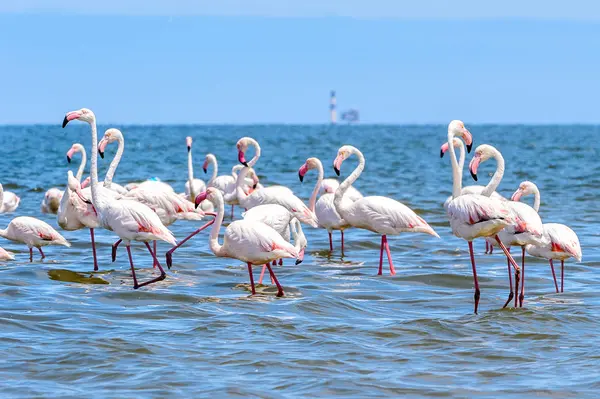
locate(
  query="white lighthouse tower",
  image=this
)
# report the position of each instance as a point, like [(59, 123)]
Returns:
[(332, 111)]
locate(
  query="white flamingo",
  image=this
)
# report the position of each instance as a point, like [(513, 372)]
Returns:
[(526, 227), (9, 203), (192, 186), (110, 136), (324, 208), (381, 215), (51, 201), (34, 233), (559, 241), (473, 215), (130, 220), (252, 242)]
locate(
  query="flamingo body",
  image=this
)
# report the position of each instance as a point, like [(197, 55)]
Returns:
[(33, 233)]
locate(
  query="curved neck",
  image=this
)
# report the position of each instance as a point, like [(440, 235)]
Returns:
[(82, 165), (497, 177), (341, 190), (115, 162), (456, 173), (256, 152), (234, 171), (313, 197), (536, 199), (461, 158), (212, 159), (239, 185), (94, 168), (213, 241)]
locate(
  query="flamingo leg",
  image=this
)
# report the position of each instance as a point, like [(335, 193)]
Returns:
[(389, 256), (475, 281), (511, 294), (381, 257), (135, 283), (232, 212), (252, 278), (31, 258), (279, 289), (114, 250), (94, 250), (330, 242), (154, 280), (275, 263), (154, 263), (342, 242), (262, 274), (491, 249), (522, 296), (169, 254), (41, 252), (562, 275), (511, 260), (553, 275), (487, 245)]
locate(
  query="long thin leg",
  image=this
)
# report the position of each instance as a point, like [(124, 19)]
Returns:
[(342, 242), (232, 212), (487, 246), (274, 263), (511, 294), (155, 253), (279, 289), (330, 242), (522, 296), (169, 254), (381, 257), (562, 275), (553, 275), (135, 283), (475, 281), (41, 252), (262, 274), (491, 249), (162, 272), (281, 262), (94, 249), (389, 256), (31, 258), (251, 279), (114, 250), (511, 260)]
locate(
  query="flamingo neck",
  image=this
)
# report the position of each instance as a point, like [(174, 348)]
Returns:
[(497, 177), (536, 198), (94, 168), (212, 159), (1, 196), (115, 162), (213, 241), (456, 173), (256, 152), (341, 190), (81, 169), (234, 171), (239, 186), (461, 159), (313, 197), (191, 174)]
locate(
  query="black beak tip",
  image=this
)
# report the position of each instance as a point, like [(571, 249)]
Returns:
[(101, 154), (298, 261), (441, 154), (196, 205), (336, 170), (300, 177), (474, 176), (189, 148), (469, 146), (205, 170), (65, 121), (254, 186), (68, 159), (245, 164)]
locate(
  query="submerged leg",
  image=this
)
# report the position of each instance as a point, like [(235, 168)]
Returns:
[(553, 275), (162, 272), (135, 284), (155, 253), (279, 289), (522, 296), (31, 258), (511, 294), (342, 242), (275, 263), (475, 281), (512, 262), (169, 254), (389, 256), (41, 252), (381, 257), (487, 246), (114, 250), (330, 242), (252, 278), (562, 275), (232, 212), (281, 262), (94, 249)]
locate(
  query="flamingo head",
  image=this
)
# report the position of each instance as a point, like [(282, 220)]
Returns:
[(458, 129), (455, 142), (311, 163), (242, 147), (252, 174), (207, 160), (74, 148), (525, 188), (343, 153), (188, 143), (110, 136), (210, 194), (84, 115), (482, 154)]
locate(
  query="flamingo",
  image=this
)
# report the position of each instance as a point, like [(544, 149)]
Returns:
[(324, 208), (130, 220), (192, 186), (6, 255), (559, 241), (474, 189), (9, 203), (474, 215), (527, 225), (249, 241), (381, 215), (51, 201), (110, 136), (33, 233)]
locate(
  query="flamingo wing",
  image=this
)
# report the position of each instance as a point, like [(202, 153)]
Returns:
[(250, 240), (563, 239), (136, 218), (472, 208), (273, 215)]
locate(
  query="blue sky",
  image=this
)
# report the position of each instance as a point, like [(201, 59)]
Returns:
[(273, 61)]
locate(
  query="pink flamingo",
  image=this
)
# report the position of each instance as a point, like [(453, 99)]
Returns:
[(324, 208), (473, 215), (526, 227), (192, 186), (559, 241), (473, 189), (34, 233), (252, 242), (130, 220), (10, 201), (380, 215)]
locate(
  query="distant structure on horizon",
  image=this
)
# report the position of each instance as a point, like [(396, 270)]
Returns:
[(350, 116), (332, 112)]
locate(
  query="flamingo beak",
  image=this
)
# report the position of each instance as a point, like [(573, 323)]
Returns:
[(70, 155), (205, 166), (473, 165), (468, 137), (102, 147), (242, 158), (300, 257), (443, 150), (188, 143), (69, 117), (199, 198), (301, 172), (517, 195), (68, 159), (337, 164)]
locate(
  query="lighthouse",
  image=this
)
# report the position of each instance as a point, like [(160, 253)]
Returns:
[(332, 112)]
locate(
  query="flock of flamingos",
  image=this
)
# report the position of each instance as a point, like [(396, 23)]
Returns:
[(271, 226)]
